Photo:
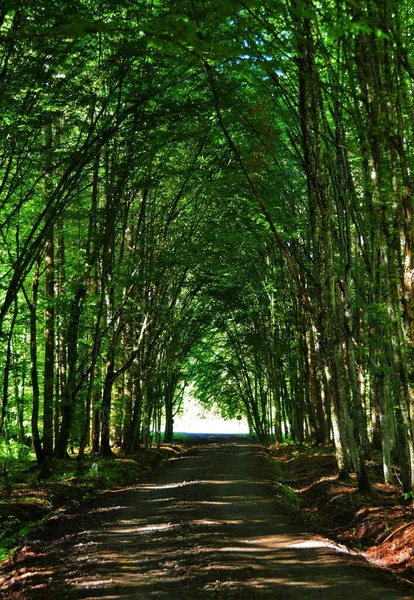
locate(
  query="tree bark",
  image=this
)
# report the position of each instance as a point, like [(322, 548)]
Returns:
[(68, 403), (37, 444), (49, 369)]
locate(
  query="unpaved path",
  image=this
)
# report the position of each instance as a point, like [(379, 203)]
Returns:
[(205, 527)]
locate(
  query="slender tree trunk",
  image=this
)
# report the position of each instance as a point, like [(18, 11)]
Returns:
[(105, 446), (134, 442), (85, 432), (128, 404), (49, 369), (96, 422), (37, 445), (315, 396), (68, 404), (19, 397), (7, 367), (61, 355), (169, 389)]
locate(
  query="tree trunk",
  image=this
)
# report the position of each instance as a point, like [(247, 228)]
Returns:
[(49, 369), (68, 403), (96, 422), (37, 445), (105, 446), (7, 367), (61, 354), (134, 442)]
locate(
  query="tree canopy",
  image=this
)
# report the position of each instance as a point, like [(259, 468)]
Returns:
[(208, 194)]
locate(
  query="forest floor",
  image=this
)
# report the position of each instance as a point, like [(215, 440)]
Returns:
[(226, 519), (378, 525), (29, 497)]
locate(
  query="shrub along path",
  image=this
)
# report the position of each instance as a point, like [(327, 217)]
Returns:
[(207, 526)]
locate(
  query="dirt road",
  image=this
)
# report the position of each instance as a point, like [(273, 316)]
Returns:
[(205, 527)]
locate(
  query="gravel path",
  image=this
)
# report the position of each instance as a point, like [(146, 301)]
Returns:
[(205, 527)]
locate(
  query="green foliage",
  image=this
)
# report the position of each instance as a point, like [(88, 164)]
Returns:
[(276, 470), (181, 437), (289, 496), (227, 188), (9, 526), (13, 450)]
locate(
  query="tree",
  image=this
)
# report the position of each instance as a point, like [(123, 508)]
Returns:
[(220, 196)]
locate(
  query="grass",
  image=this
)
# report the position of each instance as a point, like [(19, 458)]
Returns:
[(181, 437), (275, 469)]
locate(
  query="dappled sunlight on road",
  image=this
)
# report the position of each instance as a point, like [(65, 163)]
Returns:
[(206, 528), (219, 535)]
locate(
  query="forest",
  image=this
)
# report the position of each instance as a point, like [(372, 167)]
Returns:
[(214, 197)]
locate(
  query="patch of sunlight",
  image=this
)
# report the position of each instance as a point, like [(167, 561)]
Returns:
[(160, 527), (215, 482), (169, 486), (208, 522), (210, 502), (91, 584), (268, 541), (103, 509), (237, 549), (318, 544), (40, 572), (128, 521), (144, 529), (262, 582)]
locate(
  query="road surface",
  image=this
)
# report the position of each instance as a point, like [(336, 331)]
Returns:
[(204, 527)]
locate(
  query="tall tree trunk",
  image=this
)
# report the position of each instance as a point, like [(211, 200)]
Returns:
[(49, 369), (19, 396), (134, 441), (105, 445), (89, 404), (96, 421), (315, 395), (37, 444), (7, 367), (169, 390), (60, 341), (68, 403)]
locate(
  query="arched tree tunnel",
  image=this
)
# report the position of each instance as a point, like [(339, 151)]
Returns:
[(215, 196)]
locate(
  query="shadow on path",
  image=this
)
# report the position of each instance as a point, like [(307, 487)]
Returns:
[(205, 527)]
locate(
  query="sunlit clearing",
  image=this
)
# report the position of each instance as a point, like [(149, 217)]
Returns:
[(195, 419)]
